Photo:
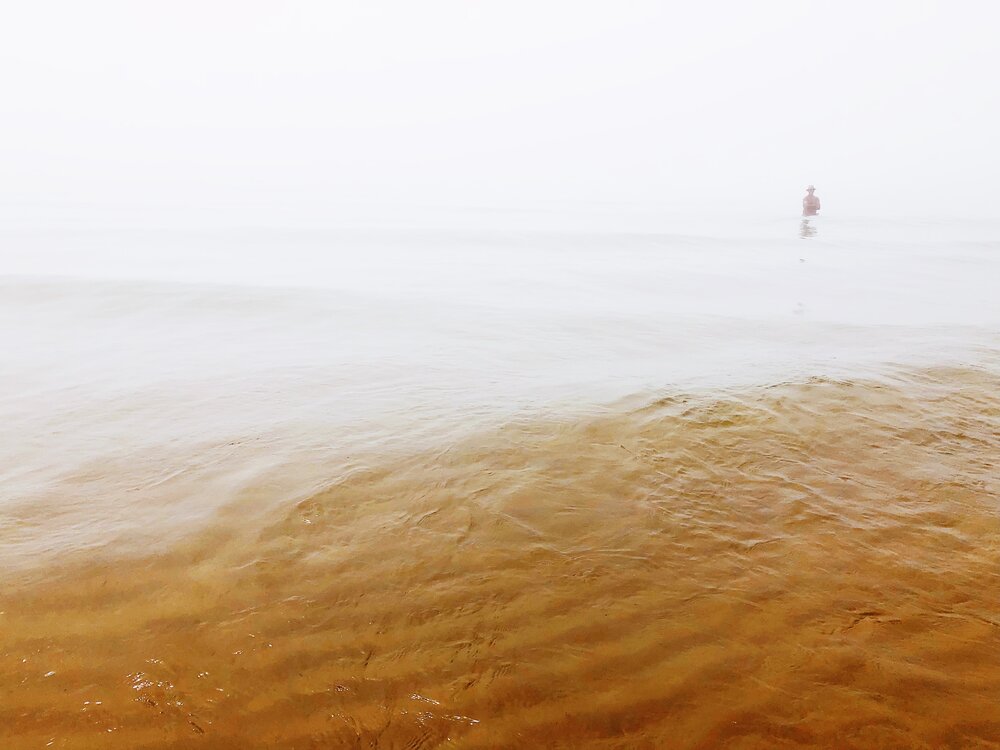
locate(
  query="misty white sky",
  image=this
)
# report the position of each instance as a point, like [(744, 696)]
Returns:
[(884, 105)]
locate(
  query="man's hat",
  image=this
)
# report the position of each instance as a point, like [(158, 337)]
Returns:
[(810, 187)]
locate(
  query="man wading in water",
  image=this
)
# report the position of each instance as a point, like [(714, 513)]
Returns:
[(810, 204)]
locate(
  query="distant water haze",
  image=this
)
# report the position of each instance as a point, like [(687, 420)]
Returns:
[(129, 344)]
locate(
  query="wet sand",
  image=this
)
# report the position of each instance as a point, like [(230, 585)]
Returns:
[(811, 564)]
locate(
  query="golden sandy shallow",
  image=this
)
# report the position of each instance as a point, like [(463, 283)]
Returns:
[(808, 565)]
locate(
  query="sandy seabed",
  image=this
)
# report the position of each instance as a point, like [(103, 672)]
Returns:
[(813, 564)]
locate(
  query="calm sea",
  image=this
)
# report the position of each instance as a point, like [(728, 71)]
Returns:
[(483, 482)]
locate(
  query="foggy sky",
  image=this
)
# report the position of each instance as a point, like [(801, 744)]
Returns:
[(885, 106)]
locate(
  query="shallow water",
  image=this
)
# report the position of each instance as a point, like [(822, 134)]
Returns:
[(521, 489)]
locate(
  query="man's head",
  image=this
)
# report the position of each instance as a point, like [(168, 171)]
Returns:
[(810, 189)]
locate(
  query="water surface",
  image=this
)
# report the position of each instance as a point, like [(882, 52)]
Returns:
[(689, 484)]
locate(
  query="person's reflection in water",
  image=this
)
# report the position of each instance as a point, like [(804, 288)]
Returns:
[(806, 229)]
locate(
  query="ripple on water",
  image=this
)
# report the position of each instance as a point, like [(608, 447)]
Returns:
[(808, 565)]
